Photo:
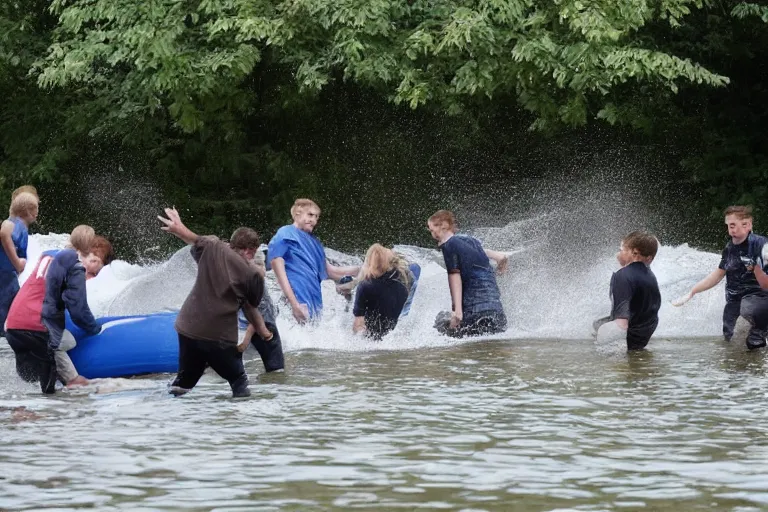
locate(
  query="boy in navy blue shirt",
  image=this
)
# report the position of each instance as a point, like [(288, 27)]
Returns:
[(635, 291), (743, 295), (476, 307)]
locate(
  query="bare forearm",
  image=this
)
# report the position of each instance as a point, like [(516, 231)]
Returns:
[(762, 277), (495, 255), (186, 235), (358, 325), (257, 322), (246, 339), (708, 282), (249, 332), (454, 284), (337, 273), (278, 266)]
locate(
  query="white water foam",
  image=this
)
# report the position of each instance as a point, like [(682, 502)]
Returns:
[(542, 299)]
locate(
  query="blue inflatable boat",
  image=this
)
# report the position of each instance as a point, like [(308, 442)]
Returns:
[(128, 345)]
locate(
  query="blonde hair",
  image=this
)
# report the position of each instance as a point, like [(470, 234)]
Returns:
[(81, 238), (302, 204), (379, 259), (25, 188), (22, 204)]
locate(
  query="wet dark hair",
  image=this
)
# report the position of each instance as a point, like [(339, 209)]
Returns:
[(643, 242), (444, 216), (244, 238)]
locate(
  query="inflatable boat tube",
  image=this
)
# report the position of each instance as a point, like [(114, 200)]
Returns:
[(127, 345)]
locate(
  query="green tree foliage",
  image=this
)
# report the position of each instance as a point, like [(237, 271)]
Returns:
[(721, 134), (744, 10), (235, 107), (29, 116), (190, 58)]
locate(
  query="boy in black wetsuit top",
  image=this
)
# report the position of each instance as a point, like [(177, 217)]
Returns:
[(635, 291), (743, 295)]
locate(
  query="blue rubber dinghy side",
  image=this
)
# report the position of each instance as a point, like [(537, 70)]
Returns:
[(128, 345)]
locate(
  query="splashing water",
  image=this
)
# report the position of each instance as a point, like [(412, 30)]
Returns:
[(546, 294)]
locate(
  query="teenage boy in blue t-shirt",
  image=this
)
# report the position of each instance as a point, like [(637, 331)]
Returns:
[(298, 260)]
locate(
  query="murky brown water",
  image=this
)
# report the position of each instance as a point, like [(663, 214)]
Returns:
[(521, 425)]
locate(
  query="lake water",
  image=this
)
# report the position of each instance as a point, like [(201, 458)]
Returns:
[(535, 419), (488, 425)]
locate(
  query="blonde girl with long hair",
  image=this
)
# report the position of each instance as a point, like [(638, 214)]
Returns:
[(385, 283)]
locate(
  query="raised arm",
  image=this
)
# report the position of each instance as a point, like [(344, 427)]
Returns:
[(6, 233), (174, 226)]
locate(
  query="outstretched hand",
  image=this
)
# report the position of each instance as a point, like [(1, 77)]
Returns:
[(174, 226), (173, 223), (682, 300)]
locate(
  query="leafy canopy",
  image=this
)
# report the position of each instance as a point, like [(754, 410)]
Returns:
[(192, 59)]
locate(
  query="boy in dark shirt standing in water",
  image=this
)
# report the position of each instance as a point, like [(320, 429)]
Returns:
[(635, 291), (743, 296)]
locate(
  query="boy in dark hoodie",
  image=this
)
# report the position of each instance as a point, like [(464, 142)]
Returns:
[(65, 289)]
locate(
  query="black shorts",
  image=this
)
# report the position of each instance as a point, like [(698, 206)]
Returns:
[(224, 358), (271, 352), (35, 361), (479, 324)]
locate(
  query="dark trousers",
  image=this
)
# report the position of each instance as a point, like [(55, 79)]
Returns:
[(637, 337), (730, 315), (271, 351), (754, 309), (485, 322), (34, 359), (224, 358)]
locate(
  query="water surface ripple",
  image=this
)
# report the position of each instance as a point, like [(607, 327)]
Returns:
[(519, 425)]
